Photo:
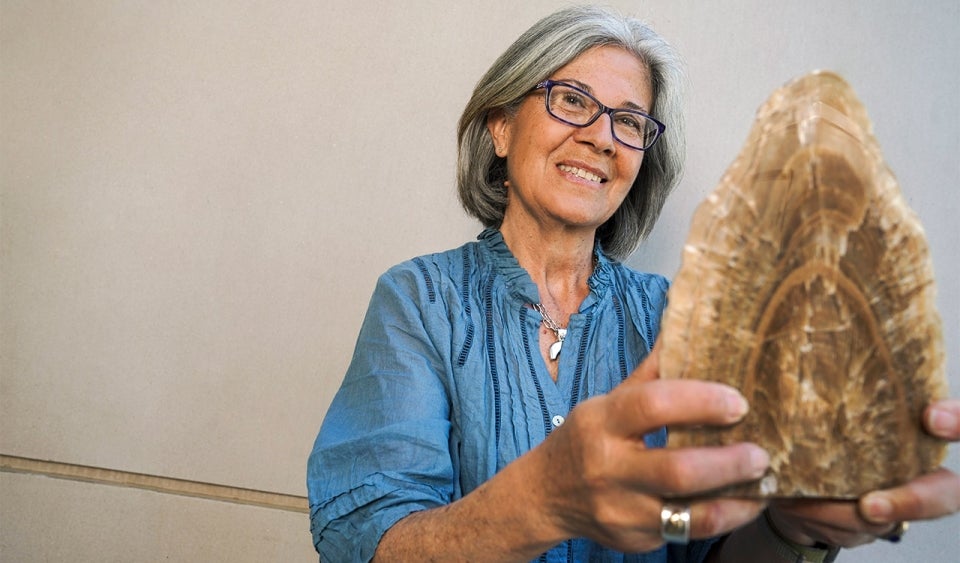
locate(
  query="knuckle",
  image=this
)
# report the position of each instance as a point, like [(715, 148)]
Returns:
[(653, 403), (595, 477), (616, 524), (679, 477), (908, 502), (610, 518), (711, 521)]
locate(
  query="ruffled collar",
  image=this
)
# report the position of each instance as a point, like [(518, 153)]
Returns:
[(518, 280)]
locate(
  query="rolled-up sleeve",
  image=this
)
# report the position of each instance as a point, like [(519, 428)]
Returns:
[(383, 449)]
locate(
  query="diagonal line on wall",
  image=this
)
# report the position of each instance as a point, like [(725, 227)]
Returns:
[(168, 485)]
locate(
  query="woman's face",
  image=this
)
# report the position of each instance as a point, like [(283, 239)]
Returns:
[(566, 176)]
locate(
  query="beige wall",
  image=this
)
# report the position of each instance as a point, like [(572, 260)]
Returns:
[(197, 198)]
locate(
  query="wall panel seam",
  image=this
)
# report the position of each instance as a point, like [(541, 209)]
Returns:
[(156, 483)]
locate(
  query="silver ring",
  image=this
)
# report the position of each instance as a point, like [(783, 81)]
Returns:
[(896, 534), (675, 523)]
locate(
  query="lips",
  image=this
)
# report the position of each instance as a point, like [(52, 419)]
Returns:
[(582, 173)]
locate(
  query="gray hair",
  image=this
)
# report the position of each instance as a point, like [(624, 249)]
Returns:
[(550, 44)]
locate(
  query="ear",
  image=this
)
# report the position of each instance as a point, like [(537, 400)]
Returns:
[(498, 124)]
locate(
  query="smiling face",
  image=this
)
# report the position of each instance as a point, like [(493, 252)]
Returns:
[(572, 177)]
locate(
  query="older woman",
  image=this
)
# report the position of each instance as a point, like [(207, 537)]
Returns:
[(491, 411)]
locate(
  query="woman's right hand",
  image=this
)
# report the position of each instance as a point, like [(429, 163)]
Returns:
[(600, 481)]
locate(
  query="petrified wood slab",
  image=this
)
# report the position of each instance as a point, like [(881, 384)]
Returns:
[(806, 282)]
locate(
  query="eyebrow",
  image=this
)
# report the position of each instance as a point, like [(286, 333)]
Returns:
[(586, 87)]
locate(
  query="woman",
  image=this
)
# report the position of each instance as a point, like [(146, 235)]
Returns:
[(490, 412)]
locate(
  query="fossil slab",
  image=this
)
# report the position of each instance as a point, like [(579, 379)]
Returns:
[(806, 282)]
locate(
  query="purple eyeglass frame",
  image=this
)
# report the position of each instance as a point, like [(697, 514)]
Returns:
[(548, 84)]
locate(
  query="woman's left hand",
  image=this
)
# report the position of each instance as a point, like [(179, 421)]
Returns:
[(879, 513)]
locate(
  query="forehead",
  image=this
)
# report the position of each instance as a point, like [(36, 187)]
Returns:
[(613, 74)]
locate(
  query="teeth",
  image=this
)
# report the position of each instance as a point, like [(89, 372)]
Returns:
[(585, 174)]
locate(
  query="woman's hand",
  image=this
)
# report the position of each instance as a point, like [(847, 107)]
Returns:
[(594, 477), (848, 524), (602, 482)]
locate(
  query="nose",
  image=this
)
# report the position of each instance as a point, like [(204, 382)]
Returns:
[(599, 134)]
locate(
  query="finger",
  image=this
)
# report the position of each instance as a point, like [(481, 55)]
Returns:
[(687, 472), (633, 523), (833, 522), (929, 496), (942, 419), (640, 407), (722, 515)]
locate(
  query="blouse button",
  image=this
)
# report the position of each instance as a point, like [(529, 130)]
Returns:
[(557, 420)]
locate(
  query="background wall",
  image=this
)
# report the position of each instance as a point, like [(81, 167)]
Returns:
[(197, 199)]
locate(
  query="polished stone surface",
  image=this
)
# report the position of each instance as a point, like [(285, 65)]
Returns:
[(806, 282)]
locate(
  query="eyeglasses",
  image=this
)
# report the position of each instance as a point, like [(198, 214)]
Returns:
[(577, 107)]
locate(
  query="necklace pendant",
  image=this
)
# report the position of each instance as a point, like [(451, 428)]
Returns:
[(555, 349), (556, 346)]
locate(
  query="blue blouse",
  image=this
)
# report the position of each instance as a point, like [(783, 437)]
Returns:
[(447, 386)]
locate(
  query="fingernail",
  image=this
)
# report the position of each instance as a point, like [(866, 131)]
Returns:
[(942, 421), (877, 508), (737, 405)]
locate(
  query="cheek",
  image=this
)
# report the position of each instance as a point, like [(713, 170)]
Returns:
[(529, 155), (631, 170), (638, 163)]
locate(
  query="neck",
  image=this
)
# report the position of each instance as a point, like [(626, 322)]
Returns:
[(559, 261)]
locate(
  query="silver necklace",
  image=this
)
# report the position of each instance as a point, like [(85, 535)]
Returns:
[(548, 322)]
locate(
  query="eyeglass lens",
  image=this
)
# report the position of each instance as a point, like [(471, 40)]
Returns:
[(578, 108)]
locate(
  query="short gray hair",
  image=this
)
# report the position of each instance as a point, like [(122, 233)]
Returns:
[(550, 44)]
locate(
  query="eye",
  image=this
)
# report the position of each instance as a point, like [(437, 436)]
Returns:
[(572, 99), (630, 122)]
